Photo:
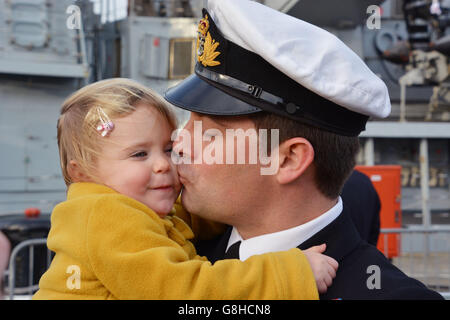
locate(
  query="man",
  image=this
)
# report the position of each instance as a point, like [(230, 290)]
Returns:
[(363, 203), (260, 69)]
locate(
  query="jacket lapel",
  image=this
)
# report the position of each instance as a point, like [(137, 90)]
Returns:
[(214, 250), (340, 236)]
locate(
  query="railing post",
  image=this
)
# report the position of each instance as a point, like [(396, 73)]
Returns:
[(369, 152), (425, 188)]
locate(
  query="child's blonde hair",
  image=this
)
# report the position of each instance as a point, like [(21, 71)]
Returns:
[(78, 137)]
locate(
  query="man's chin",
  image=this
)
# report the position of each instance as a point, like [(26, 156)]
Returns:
[(192, 205)]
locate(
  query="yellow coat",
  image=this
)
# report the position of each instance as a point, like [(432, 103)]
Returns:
[(118, 248)]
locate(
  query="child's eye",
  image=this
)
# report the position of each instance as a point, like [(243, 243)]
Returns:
[(140, 154), (169, 148)]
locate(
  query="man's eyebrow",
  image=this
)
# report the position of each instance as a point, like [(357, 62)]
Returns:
[(221, 123), (216, 120)]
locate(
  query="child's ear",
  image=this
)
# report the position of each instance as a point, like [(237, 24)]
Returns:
[(75, 172)]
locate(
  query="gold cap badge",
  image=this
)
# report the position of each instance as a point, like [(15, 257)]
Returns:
[(206, 46)]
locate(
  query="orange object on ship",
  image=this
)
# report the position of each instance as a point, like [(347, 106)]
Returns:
[(387, 181)]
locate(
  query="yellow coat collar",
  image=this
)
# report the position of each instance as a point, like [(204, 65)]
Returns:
[(80, 189)]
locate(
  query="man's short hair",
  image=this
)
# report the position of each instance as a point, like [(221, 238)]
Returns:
[(334, 155)]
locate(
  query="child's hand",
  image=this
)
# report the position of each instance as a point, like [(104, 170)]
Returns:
[(323, 267)]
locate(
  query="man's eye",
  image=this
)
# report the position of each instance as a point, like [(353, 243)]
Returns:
[(139, 154), (169, 150), (209, 134)]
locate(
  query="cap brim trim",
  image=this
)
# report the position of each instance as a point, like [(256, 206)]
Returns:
[(197, 95)]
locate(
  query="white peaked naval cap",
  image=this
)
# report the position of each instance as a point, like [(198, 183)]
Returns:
[(312, 56), (294, 68)]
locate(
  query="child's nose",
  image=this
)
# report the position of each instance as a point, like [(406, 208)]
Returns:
[(161, 165)]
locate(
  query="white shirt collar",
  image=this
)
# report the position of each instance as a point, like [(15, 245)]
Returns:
[(286, 239)]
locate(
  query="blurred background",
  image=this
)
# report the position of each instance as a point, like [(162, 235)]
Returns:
[(50, 48)]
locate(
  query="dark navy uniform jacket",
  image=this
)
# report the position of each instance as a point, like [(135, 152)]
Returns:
[(354, 256)]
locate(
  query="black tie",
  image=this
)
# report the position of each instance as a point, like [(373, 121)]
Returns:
[(233, 251)]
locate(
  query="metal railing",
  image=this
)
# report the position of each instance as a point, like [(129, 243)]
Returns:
[(17, 255), (421, 253)]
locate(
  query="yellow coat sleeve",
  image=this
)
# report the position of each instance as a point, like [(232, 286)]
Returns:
[(203, 229), (134, 258)]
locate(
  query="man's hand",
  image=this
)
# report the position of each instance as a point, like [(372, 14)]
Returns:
[(323, 267)]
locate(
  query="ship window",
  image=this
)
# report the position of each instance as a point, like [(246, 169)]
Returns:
[(182, 53), (29, 23)]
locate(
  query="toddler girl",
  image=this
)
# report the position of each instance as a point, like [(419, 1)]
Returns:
[(118, 237)]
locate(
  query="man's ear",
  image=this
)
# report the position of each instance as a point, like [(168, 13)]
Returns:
[(75, 172), (296, 155)]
